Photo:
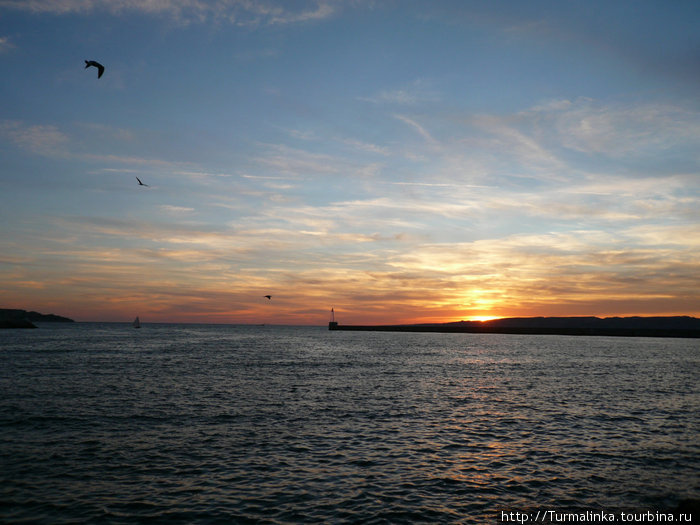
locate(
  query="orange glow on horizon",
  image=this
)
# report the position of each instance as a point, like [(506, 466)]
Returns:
[(483, 317)]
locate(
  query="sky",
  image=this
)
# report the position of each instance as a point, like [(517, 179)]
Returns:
[(398, 161)]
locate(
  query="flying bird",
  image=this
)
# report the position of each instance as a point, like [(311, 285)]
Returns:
[(141, 183), (100, 67), (268, 297)]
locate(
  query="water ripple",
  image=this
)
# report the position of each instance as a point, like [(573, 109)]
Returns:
[(197, 424)]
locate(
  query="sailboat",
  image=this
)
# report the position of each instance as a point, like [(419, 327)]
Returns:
[(137, 323)]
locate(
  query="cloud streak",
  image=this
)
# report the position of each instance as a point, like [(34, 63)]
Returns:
[(5, 44), (41, 139), (239, 12)]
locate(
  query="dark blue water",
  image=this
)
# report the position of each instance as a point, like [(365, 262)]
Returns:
[(234, 424)]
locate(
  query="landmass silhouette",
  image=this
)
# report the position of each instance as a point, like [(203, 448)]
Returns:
[(13, 318), (676, 326)]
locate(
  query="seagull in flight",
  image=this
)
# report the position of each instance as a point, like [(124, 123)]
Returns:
[(141, 183), (100, 67), (268, 297)]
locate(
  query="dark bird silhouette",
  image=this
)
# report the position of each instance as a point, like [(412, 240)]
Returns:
[(141, 183), (268, 297), (100, 67)]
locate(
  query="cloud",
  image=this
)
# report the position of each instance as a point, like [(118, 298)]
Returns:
[(558, 269), (42, 139), (366, 146), (354, 143), (239, 12), (359, 256), (687, 235), (126, 159), (618, 130), (176, 210), (105, 132), (558, 143), (623, 131), (418, 91), (417, 127), (524, 145), (281, 159), (50, 141), (281, 15), (427, 184), (5, 44), (246, 55), (402, 241), (297, 162)]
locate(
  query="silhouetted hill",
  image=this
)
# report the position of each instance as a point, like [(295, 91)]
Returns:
[(12, 318), (678, 326), (586, 323)]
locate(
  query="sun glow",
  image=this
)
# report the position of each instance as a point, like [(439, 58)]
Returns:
[(483, 317)]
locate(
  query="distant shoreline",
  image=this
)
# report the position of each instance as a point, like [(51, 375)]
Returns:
[(14, 318), (683, 327)]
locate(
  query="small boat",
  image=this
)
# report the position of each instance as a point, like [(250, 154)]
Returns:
[(137, 323)]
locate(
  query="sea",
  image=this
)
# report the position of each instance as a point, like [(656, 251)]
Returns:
[(178, 423)]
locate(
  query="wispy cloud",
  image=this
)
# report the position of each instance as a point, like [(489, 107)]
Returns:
[(558, 142), (618, 130), (297, 162), (280, 14), (105, 132), (240, 12), (5, 44), (416, 127), (416, 92), (366, 146), (41, 139), (50, 141), (282, 159), (176, 210), (127, 159), (255, 54)]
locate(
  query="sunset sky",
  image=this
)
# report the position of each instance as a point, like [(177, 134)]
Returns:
[(398, 161)]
